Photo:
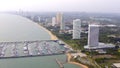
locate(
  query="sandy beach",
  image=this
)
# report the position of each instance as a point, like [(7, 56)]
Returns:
[(53, 37), (81, 65)]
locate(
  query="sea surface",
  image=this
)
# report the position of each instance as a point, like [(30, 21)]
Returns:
[(16, 28)]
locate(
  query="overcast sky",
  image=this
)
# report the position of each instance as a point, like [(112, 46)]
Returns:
[(61, 5)]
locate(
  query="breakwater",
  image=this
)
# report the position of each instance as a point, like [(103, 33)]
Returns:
[(29, 56), (59, 63)]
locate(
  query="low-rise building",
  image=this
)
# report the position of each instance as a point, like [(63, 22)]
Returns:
[(116, 65)]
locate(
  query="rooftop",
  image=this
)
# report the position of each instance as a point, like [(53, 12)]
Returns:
[(79, 54), (116, 65), (94, 25), (100, 46)]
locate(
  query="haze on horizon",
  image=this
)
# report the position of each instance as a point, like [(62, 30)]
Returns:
[(104, 6)]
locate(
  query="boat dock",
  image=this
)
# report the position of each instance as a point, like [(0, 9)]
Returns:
[(30, 49)]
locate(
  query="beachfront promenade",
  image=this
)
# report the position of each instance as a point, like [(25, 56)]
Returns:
[(30, 48)]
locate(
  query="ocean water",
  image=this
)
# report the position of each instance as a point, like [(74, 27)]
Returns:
[(17, 28)]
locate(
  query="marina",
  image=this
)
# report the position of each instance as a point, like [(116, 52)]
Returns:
[(30, 48), (23, 44)]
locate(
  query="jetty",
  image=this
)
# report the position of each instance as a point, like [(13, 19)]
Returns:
[(59, 63)]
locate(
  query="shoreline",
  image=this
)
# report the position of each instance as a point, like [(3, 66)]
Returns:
[(72, 62), (53, 37)]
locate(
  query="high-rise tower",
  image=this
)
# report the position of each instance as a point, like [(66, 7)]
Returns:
[(93, 35), (76, 29), (53, 21), (93, 39), (58, 19)]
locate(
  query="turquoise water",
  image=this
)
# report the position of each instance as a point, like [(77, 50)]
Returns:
[(17, 28)]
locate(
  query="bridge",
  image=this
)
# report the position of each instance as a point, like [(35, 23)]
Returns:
[(30, 48)]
